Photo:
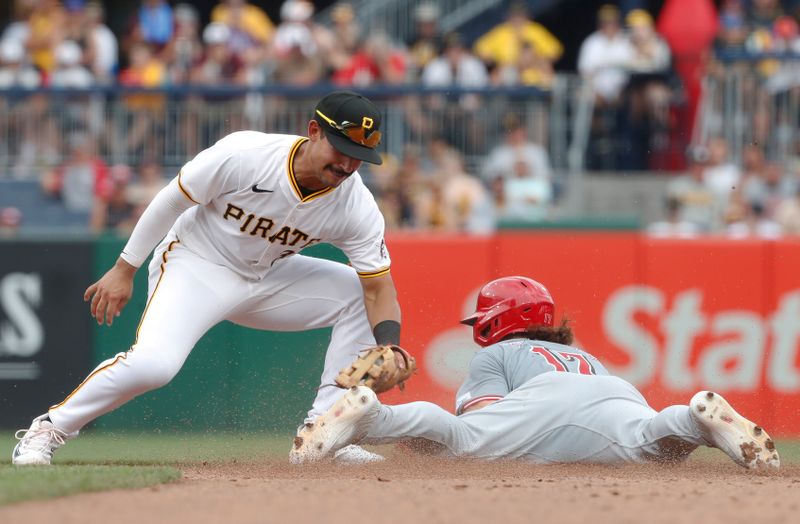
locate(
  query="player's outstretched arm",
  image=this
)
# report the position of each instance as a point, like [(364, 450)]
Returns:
[(110, 294)]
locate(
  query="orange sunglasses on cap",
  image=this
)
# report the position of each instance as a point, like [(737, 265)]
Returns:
[(356, 132)]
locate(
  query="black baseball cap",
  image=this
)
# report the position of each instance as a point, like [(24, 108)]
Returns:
[(351, 123)]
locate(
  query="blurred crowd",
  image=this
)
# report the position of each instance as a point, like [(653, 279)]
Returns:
[(67, 44), (754, 198), (628, 68), (431, 189)]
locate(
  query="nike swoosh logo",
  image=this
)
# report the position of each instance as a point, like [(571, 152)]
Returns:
[(256, 189)]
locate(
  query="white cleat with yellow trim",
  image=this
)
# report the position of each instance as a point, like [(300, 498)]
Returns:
[(742, 440), (37, 443), (346, 422)]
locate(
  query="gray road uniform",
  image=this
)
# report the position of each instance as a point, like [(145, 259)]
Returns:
[(554, 403)]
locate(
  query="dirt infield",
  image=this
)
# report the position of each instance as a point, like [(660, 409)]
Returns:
[(415, 490)]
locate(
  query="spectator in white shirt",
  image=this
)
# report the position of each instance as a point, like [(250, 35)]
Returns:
[(605, 56), (69, 73), (102, 45), (721, 175), (14, 71), (456, 66), (502, 160)]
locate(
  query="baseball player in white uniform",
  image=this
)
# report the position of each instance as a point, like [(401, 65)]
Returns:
[(227, 233), (531, 395)]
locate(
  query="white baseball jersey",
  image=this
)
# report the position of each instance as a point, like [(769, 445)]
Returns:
[(251, 212), (234, 211)]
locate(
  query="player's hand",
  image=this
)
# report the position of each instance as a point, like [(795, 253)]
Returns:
[(110, 294), (401, 360)]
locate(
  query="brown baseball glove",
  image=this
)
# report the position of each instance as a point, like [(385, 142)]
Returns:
[(378, 369)]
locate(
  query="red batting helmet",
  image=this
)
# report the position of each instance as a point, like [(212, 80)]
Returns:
[(509, 305)]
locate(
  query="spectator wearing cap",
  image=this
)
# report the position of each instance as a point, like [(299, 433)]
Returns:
[(605, 56), (250, 33), (531, 69), (18, 28), (426, 43), (517, 152), (184, 49), (15, 71), (768, 187), (651, 53), (346, 30), (219, 65), (45, 32), (764, 13), (781, 75), (603, 63), (249, 24), (733, 28), (455, 200), (298, 28), (102, 47), (10, 221), (146, 70), (113, 211), (347, 35), (80, 179), (527, 196), (155, 22), (152, 24), (648, 94), (456, 66), (502, 45), (698, 203), (525, 188), (69, 71), (300, 45), (143, 188)]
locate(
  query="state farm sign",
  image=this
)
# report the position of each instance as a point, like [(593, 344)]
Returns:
[(743, 347)]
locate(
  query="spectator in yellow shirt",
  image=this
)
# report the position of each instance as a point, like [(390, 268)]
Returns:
[(243, 16), (502, 45)]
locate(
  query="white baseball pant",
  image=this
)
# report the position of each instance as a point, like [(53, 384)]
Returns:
[(188, 295)]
